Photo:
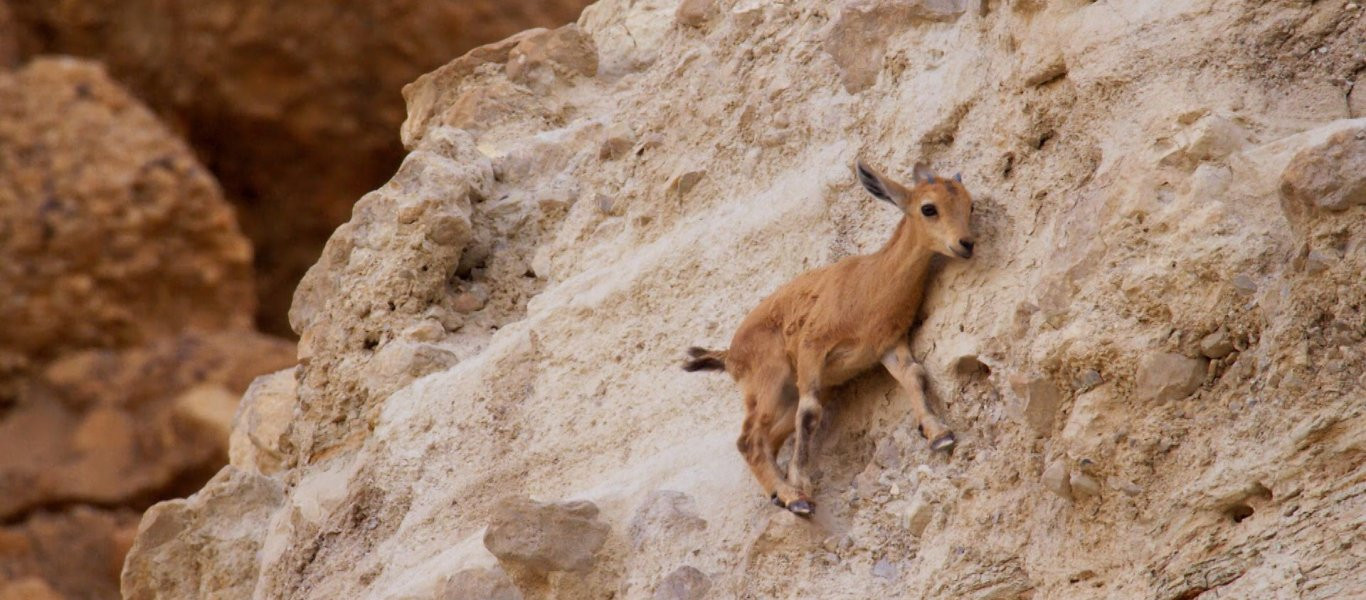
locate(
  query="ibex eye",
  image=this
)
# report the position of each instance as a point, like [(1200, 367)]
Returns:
[(929, 210)]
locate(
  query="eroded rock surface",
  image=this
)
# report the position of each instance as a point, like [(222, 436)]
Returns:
[(1123, 216)]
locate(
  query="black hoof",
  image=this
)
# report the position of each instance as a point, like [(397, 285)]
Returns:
[(776, 502), (944, 443), (801, 508)]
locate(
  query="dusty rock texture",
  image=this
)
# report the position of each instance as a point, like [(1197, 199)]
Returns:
[(126, 308), (293, 106), (505, 316)]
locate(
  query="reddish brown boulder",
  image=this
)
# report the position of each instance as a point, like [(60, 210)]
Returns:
[(9, 38), (75, 553), (121, 428), (295, 107), (127, 309), (112, 233)]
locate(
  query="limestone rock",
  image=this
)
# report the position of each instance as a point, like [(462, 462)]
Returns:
[(683, 583), (665, 516), (261, 421), (618, 141), (1083, 486), (546, 537), (479, 584), (1038, 400), (1217, 344), (1212, 137), (1056, 480), (562, 52), (429, 97), (1168, 376), (128, 305), (693, 13), (683, 182), (858, 37), (170, 539), (1093, 421), (400, 362), (441, 178), (566, 385), (918, 516), (1330, 176)]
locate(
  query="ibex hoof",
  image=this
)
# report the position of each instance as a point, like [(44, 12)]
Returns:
[(802, 508), (944, 443)]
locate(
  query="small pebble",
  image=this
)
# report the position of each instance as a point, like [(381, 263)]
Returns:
[(1126, 486), (1087, 380), (1055, 479), (1084, 486), (884, 569), (1217, 344)]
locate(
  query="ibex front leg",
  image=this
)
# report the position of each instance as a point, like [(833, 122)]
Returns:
[(808, 421), (911, 375)]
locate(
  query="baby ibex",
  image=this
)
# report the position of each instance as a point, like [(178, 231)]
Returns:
[(833, 323)]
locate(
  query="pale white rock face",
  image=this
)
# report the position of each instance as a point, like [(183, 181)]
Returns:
[(506, 317)]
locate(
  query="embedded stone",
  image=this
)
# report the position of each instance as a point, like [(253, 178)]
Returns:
[(1056, 480), (1037, 401), (544, 537), (684, 583), (1083, 485), (1330, 176), (1217, 344), (693, 13), (1169, 376), (666, 515), (479, 584)]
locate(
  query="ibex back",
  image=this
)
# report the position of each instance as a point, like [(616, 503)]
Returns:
[(833, 323)]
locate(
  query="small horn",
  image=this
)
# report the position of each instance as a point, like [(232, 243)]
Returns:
[(958, 177)]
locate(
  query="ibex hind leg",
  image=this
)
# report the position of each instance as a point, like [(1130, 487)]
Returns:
[(765, 406)]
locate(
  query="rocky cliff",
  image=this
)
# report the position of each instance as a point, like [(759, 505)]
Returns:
[(1154, 363)]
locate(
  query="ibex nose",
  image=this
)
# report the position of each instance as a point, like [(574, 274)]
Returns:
[(967, 247)]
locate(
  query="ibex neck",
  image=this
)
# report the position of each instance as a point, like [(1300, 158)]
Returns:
[(902, 267), (904, 259)]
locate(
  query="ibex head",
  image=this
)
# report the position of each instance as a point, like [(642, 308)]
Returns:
[(939, 208)]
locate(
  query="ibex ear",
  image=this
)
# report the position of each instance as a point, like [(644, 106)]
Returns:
[(922, 173), (880, 187)]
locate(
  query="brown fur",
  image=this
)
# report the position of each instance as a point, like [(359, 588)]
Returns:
[(833, 323)]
